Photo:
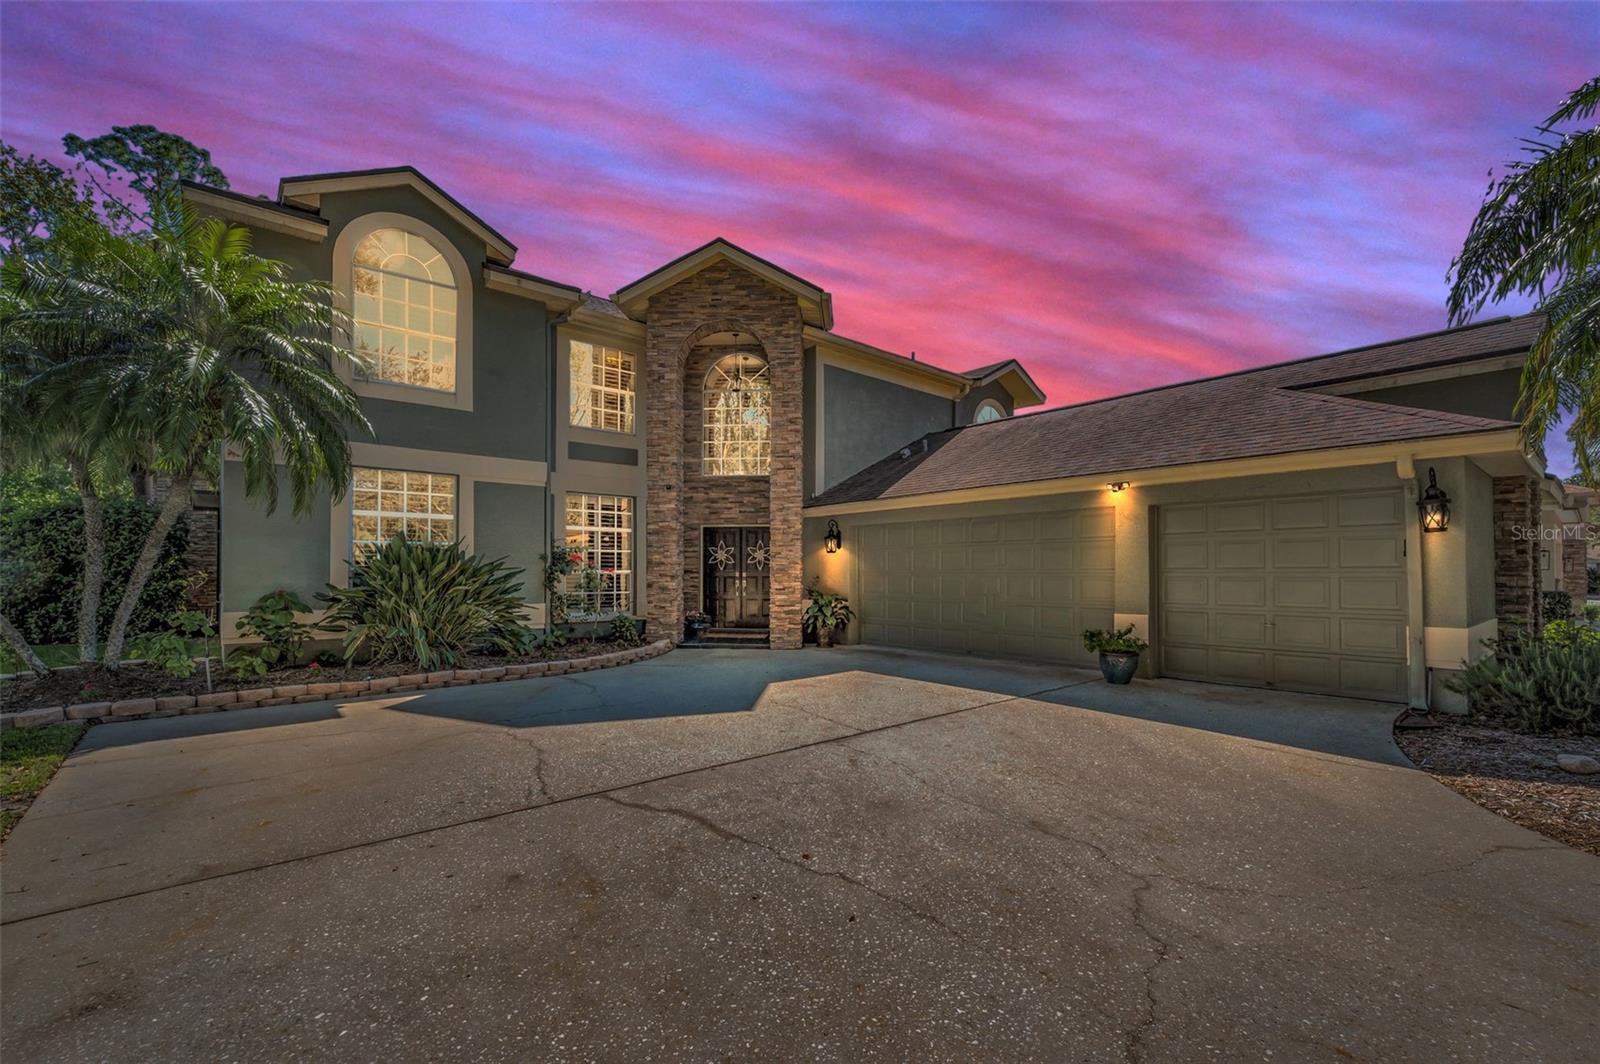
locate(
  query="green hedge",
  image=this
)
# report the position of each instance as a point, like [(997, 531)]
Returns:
[(41, 569)]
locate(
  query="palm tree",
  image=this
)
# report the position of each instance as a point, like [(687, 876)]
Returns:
[(43, 424), (1538, 233), (216, 349)]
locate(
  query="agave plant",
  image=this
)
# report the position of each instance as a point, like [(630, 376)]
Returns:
[(428, 603)]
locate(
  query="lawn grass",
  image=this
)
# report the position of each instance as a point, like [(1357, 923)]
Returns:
[(56, 655), (28, 758)]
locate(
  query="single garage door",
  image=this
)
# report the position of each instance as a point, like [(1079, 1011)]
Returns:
[(1018, 585), (1303, 594)]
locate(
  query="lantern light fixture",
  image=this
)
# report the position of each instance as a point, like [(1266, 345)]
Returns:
[(1118, 485), (1434, 506), (833, 539)]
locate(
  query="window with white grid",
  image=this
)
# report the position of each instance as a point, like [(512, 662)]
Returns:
[(405, 310), (600, 529), (385, 503), (738, 418), (602, 387)]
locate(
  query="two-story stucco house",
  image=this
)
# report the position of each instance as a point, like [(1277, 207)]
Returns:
[(706, 437)]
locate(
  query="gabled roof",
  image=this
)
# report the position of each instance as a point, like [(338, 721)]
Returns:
[(816, 305), (1024, 392), (1248, 414), (307, 190)]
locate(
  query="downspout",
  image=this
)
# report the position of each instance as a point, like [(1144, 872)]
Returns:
[(554, 323)]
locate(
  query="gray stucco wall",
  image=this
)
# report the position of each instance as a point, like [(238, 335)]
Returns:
[(511, 524), (262, 552), (865, 418), (509, 419), (1482, 395)]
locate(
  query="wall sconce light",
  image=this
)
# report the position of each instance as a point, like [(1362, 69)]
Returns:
[(833, 539), (1434, 506), (1118, 485)]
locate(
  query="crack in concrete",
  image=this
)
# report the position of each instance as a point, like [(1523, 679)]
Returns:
[(729, 835), (523, 807)]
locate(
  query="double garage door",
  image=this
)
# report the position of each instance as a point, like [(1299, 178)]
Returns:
[(1303, 594), (1015, 585)]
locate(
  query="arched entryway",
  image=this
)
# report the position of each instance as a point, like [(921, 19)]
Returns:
[(724, 461)]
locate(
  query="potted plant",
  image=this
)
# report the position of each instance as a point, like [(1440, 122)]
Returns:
[(1119, 651), (825, 614), (694, 627)]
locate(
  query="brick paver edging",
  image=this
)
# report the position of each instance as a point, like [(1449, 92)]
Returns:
[(176, 705)]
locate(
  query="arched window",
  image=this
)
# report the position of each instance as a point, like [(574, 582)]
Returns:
[(738, 418), (405, 310), (988, 410)]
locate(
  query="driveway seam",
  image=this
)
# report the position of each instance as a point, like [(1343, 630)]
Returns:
[(529, 807)]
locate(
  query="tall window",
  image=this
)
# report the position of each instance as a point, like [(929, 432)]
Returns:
[(405, 310), (602, 387), (385, 503), (738, 418), (600, 528)]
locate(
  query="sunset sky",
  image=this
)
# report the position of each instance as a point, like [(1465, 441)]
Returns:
[(1120, 196)]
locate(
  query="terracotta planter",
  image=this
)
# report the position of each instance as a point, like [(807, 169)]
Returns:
[(1118, 666)]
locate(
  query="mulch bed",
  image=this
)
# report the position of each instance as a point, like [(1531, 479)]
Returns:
[(66, 686), (1515, 776)]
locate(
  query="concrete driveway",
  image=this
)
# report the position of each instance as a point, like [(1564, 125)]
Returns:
[(845, 855)]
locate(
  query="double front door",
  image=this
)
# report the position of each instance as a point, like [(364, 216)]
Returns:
[(738, 580)]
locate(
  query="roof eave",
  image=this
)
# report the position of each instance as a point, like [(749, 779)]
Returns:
[(307, 190), (1472, 444)]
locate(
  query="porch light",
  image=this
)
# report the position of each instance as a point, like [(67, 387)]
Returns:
[(1434, 506), (1118, 485), (832, 540)]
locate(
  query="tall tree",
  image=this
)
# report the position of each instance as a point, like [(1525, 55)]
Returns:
[(221, 349), (46, 422), (152, 163), (1538, 233)]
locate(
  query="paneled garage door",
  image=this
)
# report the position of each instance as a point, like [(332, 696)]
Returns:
[(1304, 594), (1020, 585)]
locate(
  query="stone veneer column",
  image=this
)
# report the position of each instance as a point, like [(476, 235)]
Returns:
[(720, 298), (1575, 569), (1516, 558)]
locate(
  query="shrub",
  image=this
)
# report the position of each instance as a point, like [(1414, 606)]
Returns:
[(271, 619), (41, 569), (427, 603), (1570, 634), (244, 664), (1554, 605), (1591, 612), (627, 632), (1545, 684), (170, 650), (1120, 641), (167, 651)]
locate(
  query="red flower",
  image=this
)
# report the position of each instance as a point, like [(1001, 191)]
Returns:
[(575, 559), (313, 665)]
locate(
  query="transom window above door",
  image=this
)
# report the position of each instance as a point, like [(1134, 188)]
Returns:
[(602, 387), (404, 306), (738, 418)]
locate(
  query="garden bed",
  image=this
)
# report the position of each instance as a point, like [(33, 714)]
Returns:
[(1513, 775), (146, 691)]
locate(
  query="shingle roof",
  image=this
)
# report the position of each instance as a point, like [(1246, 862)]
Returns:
[(1248, 414)]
